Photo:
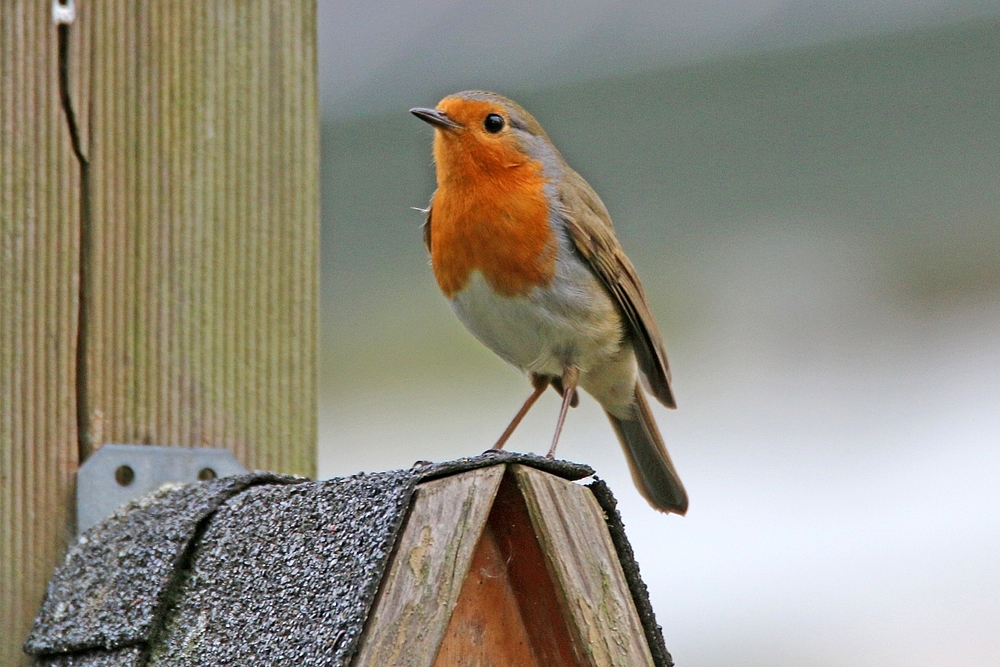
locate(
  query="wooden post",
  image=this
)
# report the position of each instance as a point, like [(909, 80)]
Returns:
[(198, 209)]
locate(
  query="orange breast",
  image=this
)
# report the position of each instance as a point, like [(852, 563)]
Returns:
[(494, 220)]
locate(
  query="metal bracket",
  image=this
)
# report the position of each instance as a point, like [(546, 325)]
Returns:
[(117, 474)]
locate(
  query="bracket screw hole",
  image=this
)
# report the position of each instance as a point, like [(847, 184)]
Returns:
[(206, 474), (124, 475)]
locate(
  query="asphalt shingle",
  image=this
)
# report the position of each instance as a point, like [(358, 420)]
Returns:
[(109, 590), (256, 569), (287, 573), (130, 656)]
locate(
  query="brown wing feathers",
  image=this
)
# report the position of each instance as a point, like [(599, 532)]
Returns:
[(590, 227)]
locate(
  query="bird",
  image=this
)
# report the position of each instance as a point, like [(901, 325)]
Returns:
[(526, 254)]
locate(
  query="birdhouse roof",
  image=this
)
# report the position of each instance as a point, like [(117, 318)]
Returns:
[(256, 569)]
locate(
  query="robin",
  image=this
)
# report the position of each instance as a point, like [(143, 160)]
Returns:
[(525, 252)]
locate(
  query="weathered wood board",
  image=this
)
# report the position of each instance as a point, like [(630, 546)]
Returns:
[(421, 589), (499, 566), (584, 565), (487, 627), (200, 124)]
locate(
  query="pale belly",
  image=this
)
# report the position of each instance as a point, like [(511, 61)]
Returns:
[(573, 321)]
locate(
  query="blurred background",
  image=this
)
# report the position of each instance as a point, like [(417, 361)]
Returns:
[(810, 191)]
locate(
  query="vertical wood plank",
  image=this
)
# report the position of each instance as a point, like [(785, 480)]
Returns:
[(38, 254), (538, 598), (419, 593), (486, 627), (574, 537), (200, 121), (204, 154)]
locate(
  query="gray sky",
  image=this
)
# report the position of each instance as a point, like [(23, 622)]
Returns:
[(384, 54)]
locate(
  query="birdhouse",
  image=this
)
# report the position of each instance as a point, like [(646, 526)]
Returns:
[(502, 559)]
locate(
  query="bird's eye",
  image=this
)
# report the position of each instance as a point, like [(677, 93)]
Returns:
[(493, 123)]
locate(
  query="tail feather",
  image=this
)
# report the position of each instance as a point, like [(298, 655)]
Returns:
[(652, 470)]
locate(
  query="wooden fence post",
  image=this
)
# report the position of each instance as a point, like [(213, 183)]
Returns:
[(198, 122)]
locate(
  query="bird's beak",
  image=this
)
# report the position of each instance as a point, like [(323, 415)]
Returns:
[(438, 119)]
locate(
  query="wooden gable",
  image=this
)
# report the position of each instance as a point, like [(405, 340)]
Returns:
[(505, 565)]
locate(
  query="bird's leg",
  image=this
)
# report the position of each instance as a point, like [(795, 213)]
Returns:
[(540, 383), (557, 385), (570, 376)]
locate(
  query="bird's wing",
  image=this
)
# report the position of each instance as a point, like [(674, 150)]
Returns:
[(590, 228)]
